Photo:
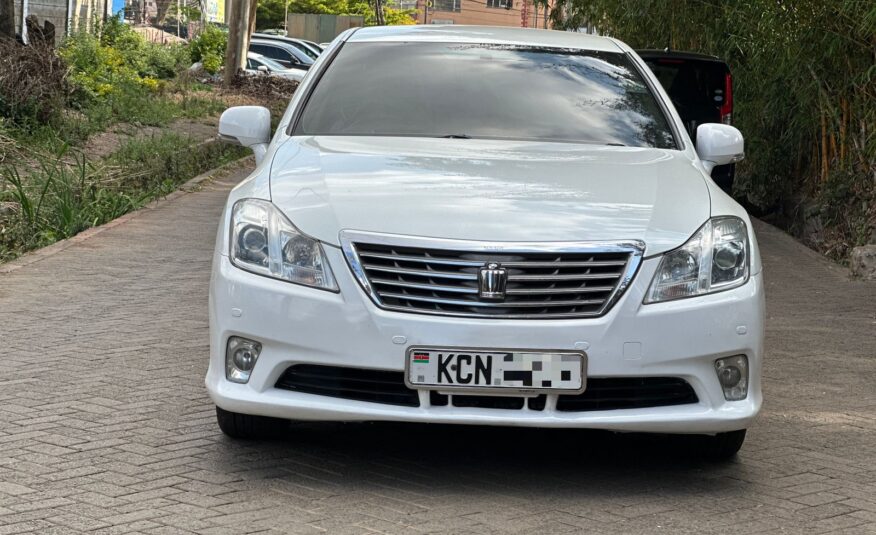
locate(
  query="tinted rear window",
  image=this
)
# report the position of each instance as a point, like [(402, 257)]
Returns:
[(691, 82), (485, 91), (269, 51)]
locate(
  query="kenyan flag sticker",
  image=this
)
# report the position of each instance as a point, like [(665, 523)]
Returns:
[(420, 357)]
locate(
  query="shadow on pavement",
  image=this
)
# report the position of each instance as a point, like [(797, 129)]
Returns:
[(520, 460)]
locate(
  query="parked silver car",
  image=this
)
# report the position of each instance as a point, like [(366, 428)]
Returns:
[(259, 64)]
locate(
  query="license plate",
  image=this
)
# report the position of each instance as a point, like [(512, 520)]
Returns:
[(512, 370)]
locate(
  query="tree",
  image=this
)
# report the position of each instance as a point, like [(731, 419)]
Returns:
[(238, 39)]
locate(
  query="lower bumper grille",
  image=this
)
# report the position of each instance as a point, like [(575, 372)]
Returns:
[(377, 386), (388, 387), (609, 393)]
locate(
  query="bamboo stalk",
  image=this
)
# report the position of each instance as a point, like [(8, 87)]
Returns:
[(833, 148), (844, 121), (824, 166)]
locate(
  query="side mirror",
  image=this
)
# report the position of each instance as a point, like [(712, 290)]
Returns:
[(249, 126), (262, 68), (719, 144)]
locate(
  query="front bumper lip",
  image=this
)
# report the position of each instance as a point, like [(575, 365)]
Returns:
[(297, 324), (692, 418)]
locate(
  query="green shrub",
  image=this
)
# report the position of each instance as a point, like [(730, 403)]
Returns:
[(96, 70), (212, 63), (119, 60), (210, 45), (150, 60)]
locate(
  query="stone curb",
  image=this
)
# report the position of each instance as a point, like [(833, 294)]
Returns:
[(187, 187)]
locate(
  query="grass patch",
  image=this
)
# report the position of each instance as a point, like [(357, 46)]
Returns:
[(67, 193)]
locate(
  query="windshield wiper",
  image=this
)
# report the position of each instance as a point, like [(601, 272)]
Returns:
[(455, 136)]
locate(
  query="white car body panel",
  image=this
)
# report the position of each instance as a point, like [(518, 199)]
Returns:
[(489, 190), (296, 324), (500, 191)]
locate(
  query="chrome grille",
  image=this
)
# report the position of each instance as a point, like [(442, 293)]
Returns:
[(544, 280)]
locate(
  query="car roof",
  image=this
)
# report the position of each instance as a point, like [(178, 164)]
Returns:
[(484, 34), (271, 37), (674, 54)]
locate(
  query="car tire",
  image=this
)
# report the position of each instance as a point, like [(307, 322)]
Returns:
[(723, 446), (248, 426)]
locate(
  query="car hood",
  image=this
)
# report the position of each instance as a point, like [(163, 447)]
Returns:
[(488, 190)]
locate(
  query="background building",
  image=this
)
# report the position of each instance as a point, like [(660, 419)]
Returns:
[(518, 13)]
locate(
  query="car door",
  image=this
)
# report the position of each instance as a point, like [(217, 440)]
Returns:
[(277, 53)]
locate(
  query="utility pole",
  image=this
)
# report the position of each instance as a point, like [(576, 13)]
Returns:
[(238, 39)]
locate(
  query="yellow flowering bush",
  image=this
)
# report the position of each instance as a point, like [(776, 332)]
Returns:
[(118, 59)]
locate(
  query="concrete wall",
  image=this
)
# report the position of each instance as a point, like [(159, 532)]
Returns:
[(55, 11), (83, 16), (87, 12), (320, 28)]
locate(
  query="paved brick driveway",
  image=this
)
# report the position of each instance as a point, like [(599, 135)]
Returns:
[(105, 425)]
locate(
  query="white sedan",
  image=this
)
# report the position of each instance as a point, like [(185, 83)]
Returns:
[(496, 226), (259, 64)]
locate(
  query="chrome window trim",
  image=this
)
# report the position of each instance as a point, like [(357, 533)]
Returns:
[(635, 248)]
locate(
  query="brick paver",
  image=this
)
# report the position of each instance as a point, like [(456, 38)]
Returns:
[(105, 426)]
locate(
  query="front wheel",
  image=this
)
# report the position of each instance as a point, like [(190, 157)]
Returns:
[(248, 426), (723, 446)]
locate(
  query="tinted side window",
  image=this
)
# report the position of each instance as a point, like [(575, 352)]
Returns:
[(304, 50), (259, 49), (273, 52)]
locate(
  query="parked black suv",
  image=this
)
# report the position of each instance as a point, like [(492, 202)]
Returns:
[(701, 88)]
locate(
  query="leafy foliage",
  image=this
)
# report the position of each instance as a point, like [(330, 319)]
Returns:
[(119, 60), (210, 40), (805, 87), (209, 47), (270, 12)]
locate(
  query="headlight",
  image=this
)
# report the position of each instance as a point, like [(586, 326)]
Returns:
[(716, 258), (263, 241)]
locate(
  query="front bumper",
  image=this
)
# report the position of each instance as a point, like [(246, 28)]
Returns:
[(298, 325)]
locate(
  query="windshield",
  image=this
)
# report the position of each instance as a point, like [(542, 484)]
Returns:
[(485, 91)]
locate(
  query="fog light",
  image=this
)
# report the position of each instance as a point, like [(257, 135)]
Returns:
[(240, 358), (733, 376)]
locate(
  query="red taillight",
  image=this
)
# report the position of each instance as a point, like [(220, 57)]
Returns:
[(727, 106)]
